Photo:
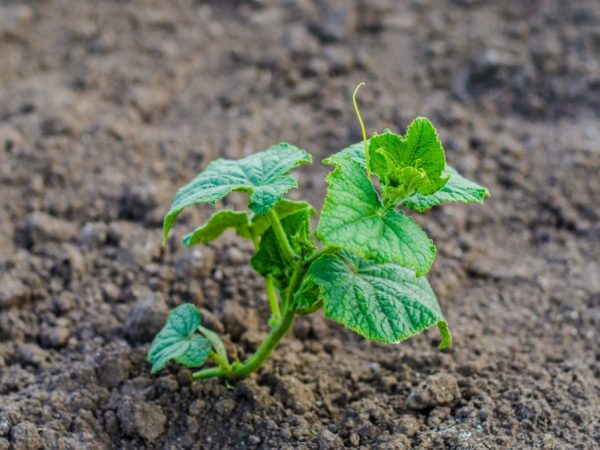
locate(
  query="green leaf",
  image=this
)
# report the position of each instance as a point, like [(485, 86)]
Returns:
[(269, 260), (306, 299), (408, 180), (420, 148), (353, 218), (177, 341), (355, 152), (264, 176), (409, 164), (457, 189), (383, 302), (239, 220), (284, 208), (216, 225)]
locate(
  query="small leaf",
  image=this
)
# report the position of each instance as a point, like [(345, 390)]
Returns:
[(216, 225), (284, 208), (268, 260), (457, 189), (264, 176), (306, 299), (383, 302), (409, 164), (355, 152), (239, 220), (354, 219), (177, 341), (420, 148)]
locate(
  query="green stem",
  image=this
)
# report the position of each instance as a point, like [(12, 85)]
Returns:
[(213, 372), (284, 243), (222, 362), (269, 287), (295, 281), (265, 349), (256, 360), (272, 296)]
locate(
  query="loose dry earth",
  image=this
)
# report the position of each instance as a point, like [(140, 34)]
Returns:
[(106, 107)]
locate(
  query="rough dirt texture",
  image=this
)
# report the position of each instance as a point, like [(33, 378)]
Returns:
[(106, 107)]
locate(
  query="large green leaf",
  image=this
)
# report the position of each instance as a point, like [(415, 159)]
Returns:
[(177, 340), (353, 218), (264, 176), (241, 222), (457, 189), (381, 301), (269, 260)]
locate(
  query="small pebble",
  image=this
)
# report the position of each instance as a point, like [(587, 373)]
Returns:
[(25, 436)]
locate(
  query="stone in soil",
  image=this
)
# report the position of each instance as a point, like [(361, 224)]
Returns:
[(12, 291), (145, 319), (138, 417), (329, 441), (25, 436), (42, 227), (437, 390)]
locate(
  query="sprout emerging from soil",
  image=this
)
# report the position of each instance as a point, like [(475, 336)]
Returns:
[(368, 271)]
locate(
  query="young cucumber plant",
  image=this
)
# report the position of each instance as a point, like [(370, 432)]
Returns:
[(368, 271)]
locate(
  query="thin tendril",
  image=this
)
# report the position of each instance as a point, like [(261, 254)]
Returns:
[(362, 127)]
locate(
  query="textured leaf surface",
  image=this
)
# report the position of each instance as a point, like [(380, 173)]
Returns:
[(269, 260), (306, 299), (381, 301), (457, 189), (353, 218), (355, 152), (420, 147), (284, 208), (391, 157), (240, 221), (177, 341), (216, 225), (264, 176)]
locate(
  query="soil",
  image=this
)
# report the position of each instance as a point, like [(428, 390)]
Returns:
[(107, 107)]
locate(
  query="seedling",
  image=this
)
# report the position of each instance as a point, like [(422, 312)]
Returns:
[(368, 271)]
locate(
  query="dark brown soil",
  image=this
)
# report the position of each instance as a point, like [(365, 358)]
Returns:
[(106, 107)]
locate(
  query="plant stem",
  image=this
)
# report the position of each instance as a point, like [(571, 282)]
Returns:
[(256, 360), (272, 296), (213, 372), (284, 243), (269, 287), (295, 281), (265, 349), (222, 362)]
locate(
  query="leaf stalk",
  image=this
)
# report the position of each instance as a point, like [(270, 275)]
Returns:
[(282, 239), (269, 287)]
